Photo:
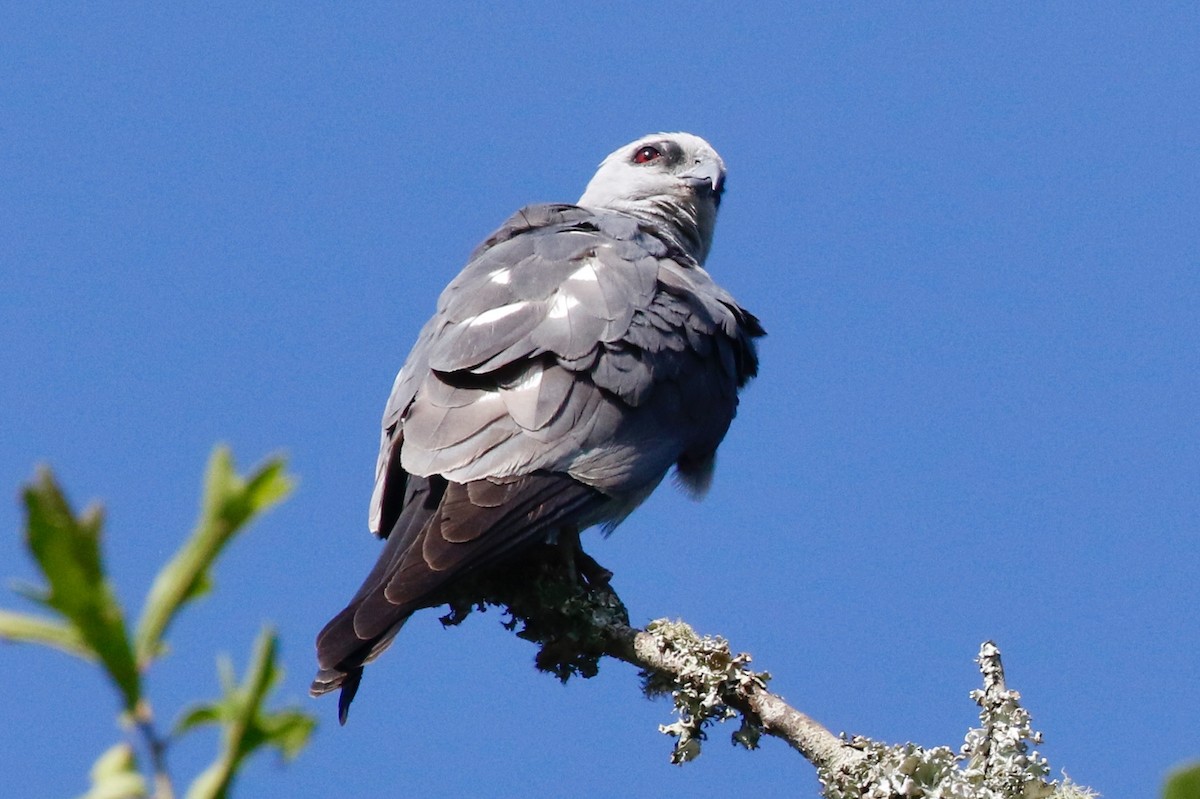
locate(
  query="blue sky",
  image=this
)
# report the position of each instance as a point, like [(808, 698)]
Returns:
[(972, 238)]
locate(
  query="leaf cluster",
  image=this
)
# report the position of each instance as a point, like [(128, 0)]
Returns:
[(85, 619)]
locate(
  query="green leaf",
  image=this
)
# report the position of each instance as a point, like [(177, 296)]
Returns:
[(1183, 783), (28, 629), (67, 549), (289, 731), (198, 716), (247, 725), (115, 776), (229, 503)]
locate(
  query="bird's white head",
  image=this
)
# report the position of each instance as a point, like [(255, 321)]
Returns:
[(671, 179)]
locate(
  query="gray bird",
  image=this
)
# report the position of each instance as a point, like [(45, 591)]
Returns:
[(581, 353)]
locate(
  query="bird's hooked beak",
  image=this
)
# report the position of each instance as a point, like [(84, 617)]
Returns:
[(707, 177)]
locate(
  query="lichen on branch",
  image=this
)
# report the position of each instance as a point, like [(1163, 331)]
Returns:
[(576, 624), (705, 682)]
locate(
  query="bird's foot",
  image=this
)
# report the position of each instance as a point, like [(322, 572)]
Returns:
[(582, 568)]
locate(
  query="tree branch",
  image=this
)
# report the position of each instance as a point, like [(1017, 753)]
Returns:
[(576, 625), (669, 650)]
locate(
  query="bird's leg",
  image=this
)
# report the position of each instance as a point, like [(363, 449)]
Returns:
[(579, 563), (570, 549), (596, 575)]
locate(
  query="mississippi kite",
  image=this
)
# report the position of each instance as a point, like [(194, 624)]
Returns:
[(581, 353)]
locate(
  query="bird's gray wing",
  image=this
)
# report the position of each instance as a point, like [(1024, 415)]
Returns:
[(574, 341), (476, 363), (551, 344)]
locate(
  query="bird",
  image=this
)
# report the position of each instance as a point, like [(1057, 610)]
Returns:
[(580, 355)]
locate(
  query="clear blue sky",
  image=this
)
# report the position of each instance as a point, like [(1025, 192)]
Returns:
[(972, 238)]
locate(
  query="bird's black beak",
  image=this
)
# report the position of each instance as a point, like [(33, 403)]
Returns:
[(707, 177)]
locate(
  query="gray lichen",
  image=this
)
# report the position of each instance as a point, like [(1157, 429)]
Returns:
[(706, 679), (996, 761), (999, 754)]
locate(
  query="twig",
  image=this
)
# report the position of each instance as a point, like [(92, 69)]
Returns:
[(156, 745)]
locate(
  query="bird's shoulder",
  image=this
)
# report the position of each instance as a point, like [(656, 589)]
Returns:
[(550, 219)]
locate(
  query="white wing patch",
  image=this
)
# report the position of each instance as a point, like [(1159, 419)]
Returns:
[(501, 276), (585, 273), (495, 314)]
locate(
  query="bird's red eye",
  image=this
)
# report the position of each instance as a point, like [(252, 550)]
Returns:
[(646, 155)]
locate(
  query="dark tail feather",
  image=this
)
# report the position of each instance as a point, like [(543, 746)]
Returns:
[(331, 679), (349, 688), (341, 650), (347, 672), (453, 531)]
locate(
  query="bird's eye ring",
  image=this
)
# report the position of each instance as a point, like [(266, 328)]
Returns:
[(647, 154)]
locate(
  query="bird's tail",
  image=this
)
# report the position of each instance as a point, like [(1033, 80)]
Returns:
[(329, 679), (358, 635), (347, 672), (436, 540)]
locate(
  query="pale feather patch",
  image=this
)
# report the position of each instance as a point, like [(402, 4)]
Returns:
[(521, 398), (501, 276), (532, 379), (586, 273), (563, 303), (495, 314)]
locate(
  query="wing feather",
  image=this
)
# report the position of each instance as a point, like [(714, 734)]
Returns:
[(445, 531)]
